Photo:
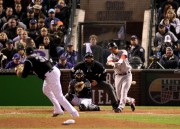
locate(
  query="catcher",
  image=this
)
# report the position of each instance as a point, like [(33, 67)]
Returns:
[(80, 93)]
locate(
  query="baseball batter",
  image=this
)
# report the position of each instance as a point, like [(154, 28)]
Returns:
[(123, 77), (43, 68)]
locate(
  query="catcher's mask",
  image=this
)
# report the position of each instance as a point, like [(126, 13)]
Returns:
[(79, 75)]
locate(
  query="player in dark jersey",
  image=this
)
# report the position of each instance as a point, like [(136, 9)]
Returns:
[(43, 68)]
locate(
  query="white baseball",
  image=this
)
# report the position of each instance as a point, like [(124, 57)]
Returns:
[(133, 83)]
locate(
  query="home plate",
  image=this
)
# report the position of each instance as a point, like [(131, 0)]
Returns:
[(68, 122)]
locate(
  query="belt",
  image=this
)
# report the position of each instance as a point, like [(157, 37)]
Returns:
[(122, 74)]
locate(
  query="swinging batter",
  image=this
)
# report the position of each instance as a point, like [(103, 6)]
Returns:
[(123, 77)]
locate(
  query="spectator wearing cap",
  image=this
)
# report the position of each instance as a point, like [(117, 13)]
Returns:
[(136, 49), (21, 52), (9, 50), (27, 16), (160, 36), (167, 43), (51, 16), (3, 39), (169, 60), (37, 11), (71, 54), (92, 47), (32, 31), (56, 33), (14, 62), (63, 63), (3, 58)]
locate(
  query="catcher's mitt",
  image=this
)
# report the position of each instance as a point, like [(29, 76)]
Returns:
[(79, 86), (19, 69)]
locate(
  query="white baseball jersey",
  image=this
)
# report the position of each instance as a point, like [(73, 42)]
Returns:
[(120, 68)]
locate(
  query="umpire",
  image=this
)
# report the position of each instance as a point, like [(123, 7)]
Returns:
[(96, 74)]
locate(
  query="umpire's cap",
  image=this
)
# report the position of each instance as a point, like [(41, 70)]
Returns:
[(88, 54), (112, 45), (29, 50)]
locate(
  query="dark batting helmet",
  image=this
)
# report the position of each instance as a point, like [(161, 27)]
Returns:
[(112, 45), (88, 54)]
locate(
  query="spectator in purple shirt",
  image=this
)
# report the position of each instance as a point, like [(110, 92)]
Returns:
[(15, 62), (63, 64)]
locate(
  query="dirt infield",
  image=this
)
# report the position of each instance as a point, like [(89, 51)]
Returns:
[(41, 118)]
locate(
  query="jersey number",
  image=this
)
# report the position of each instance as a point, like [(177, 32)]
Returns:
[(41, 59)]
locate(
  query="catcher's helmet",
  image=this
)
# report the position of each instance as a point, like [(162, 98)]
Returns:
[(88, 54), (111, 45), (79, 75)]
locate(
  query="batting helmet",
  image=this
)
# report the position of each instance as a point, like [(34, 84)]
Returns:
[(112, 45), (88, 54), (29, 50)]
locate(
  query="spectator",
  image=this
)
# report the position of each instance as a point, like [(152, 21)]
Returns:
[(9, 51), (41, 24), (30, 42), (63, 63), (3, 58), (21, 52), (51, 16), (11, 29), (71, 54), (37, 12), (167, 43), (3, 39), (95, 49), (27, 16), (8, 15), (46, 42), (22, 40), (169, 60), (177, 49), (160, 36), (18, 10), (32, 31), (2, 13), (136, 50), (19, 31), (14, 62), (173, 21), (39, 39)]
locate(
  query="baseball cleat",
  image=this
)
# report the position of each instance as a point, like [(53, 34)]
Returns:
[(55, 115), (133, 107), (118, 110), (75, 114)]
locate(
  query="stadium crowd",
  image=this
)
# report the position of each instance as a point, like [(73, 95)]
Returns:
[(166, 44), (42, 24)]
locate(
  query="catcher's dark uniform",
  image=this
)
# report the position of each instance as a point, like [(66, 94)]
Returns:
[(81, 98), (96, 71)]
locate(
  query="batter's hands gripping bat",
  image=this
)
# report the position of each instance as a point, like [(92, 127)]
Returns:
[(79, 86), (19, 69)]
